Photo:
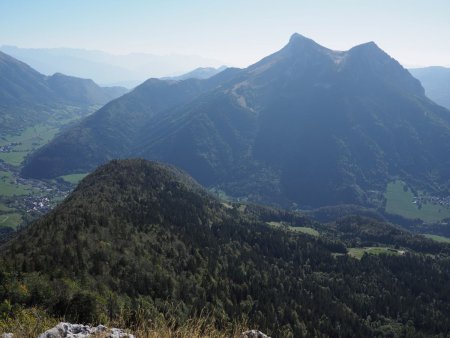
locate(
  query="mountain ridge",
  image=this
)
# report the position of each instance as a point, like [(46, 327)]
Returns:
[(198, 73), (436, 81), (53, 83), (303, 126), (28, 97)]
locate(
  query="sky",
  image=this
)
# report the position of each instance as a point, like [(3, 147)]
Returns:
[(236, 32)]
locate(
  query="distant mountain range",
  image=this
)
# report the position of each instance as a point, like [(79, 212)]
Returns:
[(198, 73), (306, 126), (107, 69), (436, 81), (27, 96)]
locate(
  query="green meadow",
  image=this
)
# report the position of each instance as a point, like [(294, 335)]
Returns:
[(73, 178), (11, 220), (399, 201), (437, 238), (25, 142), (9, 187), (373, 250), (305, 230)]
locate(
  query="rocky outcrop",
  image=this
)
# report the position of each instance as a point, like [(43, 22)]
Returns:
[(67, 330), (63, 330), (253, 334)]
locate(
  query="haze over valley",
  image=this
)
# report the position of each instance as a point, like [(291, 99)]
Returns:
[(127, 70)]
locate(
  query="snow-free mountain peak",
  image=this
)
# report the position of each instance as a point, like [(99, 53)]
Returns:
[(305, 125)]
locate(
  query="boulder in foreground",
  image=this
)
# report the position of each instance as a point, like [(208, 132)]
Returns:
[(79, 331)]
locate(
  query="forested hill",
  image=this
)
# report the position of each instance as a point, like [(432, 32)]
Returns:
[(144, 236)]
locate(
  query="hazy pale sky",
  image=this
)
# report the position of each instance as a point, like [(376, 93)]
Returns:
[(237, 32)]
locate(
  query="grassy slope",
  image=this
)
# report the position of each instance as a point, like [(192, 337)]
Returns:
[(4, 208), (9, 217), (437, 238), (74, 178), (400, 202), (373, 250), (10, 220), (305, 230), (29, 140), (8, 187)]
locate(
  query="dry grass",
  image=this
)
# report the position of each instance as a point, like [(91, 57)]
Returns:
[(191, 329), (29, 323), (201, 327)]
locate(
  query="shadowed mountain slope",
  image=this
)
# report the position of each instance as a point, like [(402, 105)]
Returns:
[(305, 125)]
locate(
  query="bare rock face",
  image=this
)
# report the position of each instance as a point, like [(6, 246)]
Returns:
[(253, 334), (67, 330)]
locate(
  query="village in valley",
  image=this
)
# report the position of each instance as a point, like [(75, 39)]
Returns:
[(442, 201), (8, 148), (23, 200)]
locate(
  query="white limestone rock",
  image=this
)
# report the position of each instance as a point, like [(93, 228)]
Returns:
[(253, 334), (68, 330)]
